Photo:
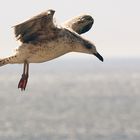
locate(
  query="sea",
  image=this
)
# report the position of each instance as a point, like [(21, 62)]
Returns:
[(72, 99)]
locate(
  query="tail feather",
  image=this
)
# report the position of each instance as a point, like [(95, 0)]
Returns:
[(9, 60), (3, 62)]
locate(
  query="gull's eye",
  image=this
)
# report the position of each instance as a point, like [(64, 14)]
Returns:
[(88, 46)]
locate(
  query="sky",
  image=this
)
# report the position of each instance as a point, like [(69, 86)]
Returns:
[(116, 30)]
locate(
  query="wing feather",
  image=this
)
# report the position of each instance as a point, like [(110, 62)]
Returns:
[(31, 29), (80, 24)]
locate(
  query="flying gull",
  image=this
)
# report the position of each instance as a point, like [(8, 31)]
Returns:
[(42, 40)]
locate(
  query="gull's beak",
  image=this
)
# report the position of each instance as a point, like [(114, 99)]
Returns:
[(99, 56)]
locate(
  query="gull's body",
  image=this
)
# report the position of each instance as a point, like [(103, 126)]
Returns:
[(42, 41), (63, 43)]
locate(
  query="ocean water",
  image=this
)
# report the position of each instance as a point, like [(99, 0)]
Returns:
[(70, 99)]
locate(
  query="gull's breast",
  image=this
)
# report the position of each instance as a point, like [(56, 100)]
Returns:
[(45, 52)]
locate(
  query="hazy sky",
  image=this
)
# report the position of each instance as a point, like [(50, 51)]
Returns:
[(116, 31)]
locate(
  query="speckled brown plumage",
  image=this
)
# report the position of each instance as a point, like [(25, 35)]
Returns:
[(42, 41)]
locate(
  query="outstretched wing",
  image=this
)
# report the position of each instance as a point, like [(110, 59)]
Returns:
[(35, 28), (79, 24)]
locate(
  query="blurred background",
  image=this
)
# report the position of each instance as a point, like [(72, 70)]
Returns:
[(75, 97)]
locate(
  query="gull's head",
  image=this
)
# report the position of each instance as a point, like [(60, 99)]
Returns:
[(91, 49), (87, 47)]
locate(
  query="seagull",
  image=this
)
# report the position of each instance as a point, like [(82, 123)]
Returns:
[(42, 40)]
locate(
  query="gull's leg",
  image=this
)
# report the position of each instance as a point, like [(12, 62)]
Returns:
[(24, 79)]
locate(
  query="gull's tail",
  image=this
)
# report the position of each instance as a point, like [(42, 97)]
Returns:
[(8, 60), (3, 62)]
